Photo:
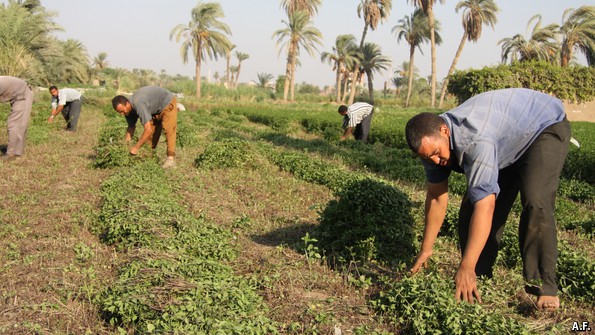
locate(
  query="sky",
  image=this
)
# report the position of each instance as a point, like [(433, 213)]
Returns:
[(136, 34)]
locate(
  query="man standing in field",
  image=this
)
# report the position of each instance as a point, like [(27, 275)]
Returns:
[(157, 110), (356, 120), (505, 142), (19, 94), (67, 101)]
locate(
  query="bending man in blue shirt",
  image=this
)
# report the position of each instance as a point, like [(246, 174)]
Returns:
[(505, 142)]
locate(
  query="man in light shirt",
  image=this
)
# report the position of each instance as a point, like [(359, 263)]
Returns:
[(506, 142), (67, 101), (356, 120)]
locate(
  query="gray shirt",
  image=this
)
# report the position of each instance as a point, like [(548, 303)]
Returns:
[(146, 102), (491, 131), (12, 89)]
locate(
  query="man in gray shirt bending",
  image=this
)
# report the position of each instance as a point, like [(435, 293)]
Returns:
[(157, 110), (505, 142)]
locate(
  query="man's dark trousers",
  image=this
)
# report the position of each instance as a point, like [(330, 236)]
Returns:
[(536, 176)]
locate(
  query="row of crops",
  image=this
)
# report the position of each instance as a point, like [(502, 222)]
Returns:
[(177, 278)]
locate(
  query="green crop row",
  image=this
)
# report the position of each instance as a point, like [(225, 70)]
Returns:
[(426, 305), (176, 280), (388, 128)]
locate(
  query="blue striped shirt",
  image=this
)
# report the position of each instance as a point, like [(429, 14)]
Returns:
[(491, 131)]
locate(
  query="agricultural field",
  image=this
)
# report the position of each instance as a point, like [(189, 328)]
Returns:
[(267, 225)]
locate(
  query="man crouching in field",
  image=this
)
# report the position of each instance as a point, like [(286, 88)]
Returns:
[(505, 142), (157, 110)]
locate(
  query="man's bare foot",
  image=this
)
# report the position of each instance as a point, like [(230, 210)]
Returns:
[(548, 303)]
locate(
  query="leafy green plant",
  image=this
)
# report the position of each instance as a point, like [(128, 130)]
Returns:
[(226, 153), (369, 221), (310, 248), (426, 305), (574, 83), (177, 280), (576, 274)]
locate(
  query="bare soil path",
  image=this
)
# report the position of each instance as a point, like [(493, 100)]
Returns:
[(49, 261)]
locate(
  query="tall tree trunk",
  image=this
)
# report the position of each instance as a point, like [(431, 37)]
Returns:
[(228, 73), (293, 65), (287, 75), (433, 41), (370, 86), (292, 83), (452, 68), (361, 43), (410, 79), (197, 74), (354, 81), (338, 82), (345, 85), (565, 54), (235, 83)]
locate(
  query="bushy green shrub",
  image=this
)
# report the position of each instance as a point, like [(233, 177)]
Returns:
[(185, 135), (576, 274), (580, 165), (426, 305), (226, 153), (369, 221), (313, 171), (111, 151), (577, 190), (574, 83), (178, 280)]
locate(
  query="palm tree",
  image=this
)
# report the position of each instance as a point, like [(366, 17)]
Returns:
[(309, 6), (373, 61), (228, 81), (578, 31), (428, 8), (414, 30), (100, 61), (233, 70), (541, 46), (25, 40), (241, 57), (373, 12), (71, 64), (339, 57), (298, 33), (402, 76), (30, 5), (265, 80), (476, 13), (205, 35)]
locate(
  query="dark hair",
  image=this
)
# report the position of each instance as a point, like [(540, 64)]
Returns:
[(342, 109), (53, 88), (119, 100), (420, 126)]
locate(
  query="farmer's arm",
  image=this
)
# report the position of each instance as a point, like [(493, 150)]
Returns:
[(129, 133), (347, 133), (55, 112), (479, 230), (146, 135), (435, 211)]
